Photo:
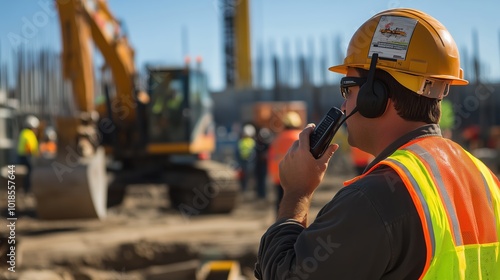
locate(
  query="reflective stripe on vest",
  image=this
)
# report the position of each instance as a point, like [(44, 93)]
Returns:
[(458, 201)]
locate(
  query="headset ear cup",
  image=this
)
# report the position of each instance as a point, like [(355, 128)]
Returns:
[(363, 101), (380, 90), (371, 102)]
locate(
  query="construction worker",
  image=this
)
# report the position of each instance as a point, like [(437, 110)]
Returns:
[(262, 143), (280, 145), (447, 120), (27, 148), (424, 208), (246, 154), (48, 146)]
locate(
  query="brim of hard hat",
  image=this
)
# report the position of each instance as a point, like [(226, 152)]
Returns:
[(342, 69)]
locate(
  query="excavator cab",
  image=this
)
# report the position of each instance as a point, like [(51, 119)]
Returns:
[(179, 112), (179, 122)]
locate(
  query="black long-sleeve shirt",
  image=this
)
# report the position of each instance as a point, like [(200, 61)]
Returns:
[(369, 230)]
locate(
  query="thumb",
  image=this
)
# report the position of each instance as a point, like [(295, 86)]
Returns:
[(329, 153)]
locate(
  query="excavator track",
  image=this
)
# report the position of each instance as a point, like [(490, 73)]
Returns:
[(204, 187)]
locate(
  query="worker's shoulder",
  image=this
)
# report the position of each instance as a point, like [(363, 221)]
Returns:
[(27, 133), (382, 176)]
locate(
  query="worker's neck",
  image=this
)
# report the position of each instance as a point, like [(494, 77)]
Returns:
[(390, 132)]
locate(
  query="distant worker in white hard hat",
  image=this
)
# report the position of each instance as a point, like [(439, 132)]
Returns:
[(48, 145), (292, 127), (424, 208), (27, 148), (246, 155)]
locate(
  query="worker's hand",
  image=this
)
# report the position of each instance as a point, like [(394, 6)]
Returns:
[(300, 173)]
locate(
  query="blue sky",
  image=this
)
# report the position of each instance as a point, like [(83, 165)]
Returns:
[(155, 27)]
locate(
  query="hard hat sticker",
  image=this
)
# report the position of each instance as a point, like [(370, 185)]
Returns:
[(392, 37)]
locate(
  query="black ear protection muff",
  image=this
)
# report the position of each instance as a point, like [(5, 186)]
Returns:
[(372, 96)]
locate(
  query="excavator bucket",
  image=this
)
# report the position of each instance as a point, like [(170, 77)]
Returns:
[(69, 189)]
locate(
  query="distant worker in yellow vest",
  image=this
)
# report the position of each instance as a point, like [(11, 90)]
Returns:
[(246, 155), (447, 120), (424, 208), (27, 148), (280, 145)]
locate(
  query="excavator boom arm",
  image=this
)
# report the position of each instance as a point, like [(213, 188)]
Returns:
[(76, 54), (83, 22)]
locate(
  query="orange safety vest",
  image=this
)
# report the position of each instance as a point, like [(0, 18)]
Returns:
[(48, 147), (278, 149), (458, 200)]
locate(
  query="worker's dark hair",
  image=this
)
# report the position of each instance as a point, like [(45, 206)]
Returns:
[(409, 105)]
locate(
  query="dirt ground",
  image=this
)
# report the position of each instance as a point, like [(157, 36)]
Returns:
[(143, 238)]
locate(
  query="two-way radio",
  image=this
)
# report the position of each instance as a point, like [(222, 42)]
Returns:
[(320, 138)]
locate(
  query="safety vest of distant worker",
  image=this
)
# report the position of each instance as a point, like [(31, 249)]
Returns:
[(457, 205), (28, 143), (48, 148), (172, 101), (359, 157), (246, 146), (48, 145), (277, 151), (292, 123)]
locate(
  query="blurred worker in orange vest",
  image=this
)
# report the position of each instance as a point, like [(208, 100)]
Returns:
[(27, 147), (360, 159), (48, 146), (279, 148)]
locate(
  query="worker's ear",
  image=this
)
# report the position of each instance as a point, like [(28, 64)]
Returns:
[(390, 104)]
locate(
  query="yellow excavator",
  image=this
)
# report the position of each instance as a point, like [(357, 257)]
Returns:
[(162, 134)]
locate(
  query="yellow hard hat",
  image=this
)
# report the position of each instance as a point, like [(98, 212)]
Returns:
[(413, 47), (292, 119)]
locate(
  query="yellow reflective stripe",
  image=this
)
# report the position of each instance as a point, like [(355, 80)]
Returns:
[(439, 234), (438, 180), (488, 182), (423, 202), (493, 190)]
